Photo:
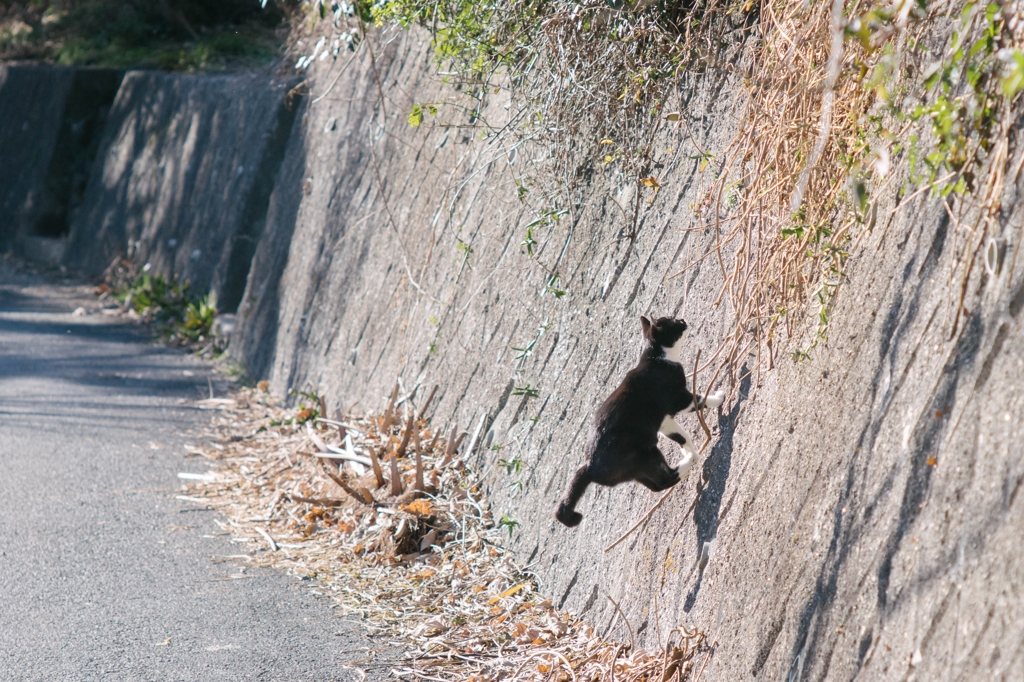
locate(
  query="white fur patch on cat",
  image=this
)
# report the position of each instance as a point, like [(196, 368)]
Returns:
[(684, 465), (669, 427), (673, 352)]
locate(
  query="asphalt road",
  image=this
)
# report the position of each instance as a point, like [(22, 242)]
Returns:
[(102, 575)]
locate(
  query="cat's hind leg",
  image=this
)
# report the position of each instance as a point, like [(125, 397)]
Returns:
[(566, 512), (655, 473), (671, 429), (685, 463)]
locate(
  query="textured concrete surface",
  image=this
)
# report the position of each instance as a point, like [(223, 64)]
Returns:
[(859, 513), (51, 119), (104, 575), (31, 105), (183, 178), (260, 306)]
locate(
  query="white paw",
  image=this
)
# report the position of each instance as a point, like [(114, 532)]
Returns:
[(684, 466), (715, 399)]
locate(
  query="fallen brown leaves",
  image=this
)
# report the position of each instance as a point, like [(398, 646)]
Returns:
[(418, 558)]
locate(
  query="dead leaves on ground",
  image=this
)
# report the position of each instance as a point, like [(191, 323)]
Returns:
[(412, 553)]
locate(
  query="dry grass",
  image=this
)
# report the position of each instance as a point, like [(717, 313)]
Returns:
[(782, 221), (815, 157), (415, 556), (823, 155), (821, 146)]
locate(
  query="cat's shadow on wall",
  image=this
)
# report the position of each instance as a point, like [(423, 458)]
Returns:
[(715, 475)]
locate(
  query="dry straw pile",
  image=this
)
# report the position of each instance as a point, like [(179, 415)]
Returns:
[(383, 513)]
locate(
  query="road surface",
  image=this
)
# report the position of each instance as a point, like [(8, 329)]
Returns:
[(102, 576)]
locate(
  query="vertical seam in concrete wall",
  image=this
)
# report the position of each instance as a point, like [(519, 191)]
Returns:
[(254, 217)]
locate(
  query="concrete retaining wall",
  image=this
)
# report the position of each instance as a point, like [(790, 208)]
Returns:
[(858, 514), (50, 125), (184, 176), (31, 104)]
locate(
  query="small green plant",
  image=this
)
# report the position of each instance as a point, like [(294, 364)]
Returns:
[(1013, 73), (199, 317), (508, 523), (526, 391), (801, 229), (522, 353), (521, 191), (552, 287), (239, 373), (529, 242), (309, 407), (511, 466), (732, 196), (432, 346), (308, 410), (416, 115), (169, 303), (526, 351), (546, 218), (465, 249)]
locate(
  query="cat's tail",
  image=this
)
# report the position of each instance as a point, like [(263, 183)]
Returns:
[(566, 512)]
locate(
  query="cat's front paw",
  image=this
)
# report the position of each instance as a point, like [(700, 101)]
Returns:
[(715, 399), (684, 466)]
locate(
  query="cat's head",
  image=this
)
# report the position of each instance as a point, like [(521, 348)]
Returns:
[(664, 331)]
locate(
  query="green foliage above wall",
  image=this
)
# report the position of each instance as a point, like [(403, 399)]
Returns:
[(174, 35)]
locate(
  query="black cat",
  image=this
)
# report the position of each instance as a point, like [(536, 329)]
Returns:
[(623, 442)]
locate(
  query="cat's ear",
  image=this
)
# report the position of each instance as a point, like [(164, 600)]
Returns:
[(646, 325)]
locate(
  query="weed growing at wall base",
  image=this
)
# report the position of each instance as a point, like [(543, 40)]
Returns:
[(182, 317)]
